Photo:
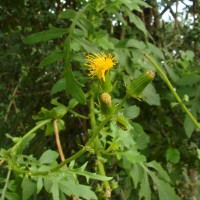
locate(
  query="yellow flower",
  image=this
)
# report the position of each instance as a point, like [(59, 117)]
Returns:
[(99, 63)]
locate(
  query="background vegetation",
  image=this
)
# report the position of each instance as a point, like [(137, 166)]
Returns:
[(154, 154)]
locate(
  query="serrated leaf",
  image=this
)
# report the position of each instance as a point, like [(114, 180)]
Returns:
[(48, 157), (145, 190), (52, 58), (45, 35)]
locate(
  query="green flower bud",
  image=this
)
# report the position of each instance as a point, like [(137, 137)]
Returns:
[(136, 87)]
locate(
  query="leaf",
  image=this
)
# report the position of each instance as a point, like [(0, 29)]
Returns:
[(130, 43), (89, 175), (67, 14), (198, 154), (52, 58), (105, 43), (39, 184), (48, 157), (145, 190), (162, 173), (55, 191), (45, 35), (173, 155), (165, 191), (28, 188), (136, 174), (189, 126), (59, 86), (189, 79), (73, 87), (150, 96), (71, 188), (134, 156), (139, 136), (137, 22), (131, 112)]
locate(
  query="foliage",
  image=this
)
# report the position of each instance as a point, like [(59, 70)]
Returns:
[(128, 135)]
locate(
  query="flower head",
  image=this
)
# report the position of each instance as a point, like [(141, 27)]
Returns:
[(99, 63)]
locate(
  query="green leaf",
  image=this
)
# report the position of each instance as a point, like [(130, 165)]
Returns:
[(67, 14), (89, 175), (139, 136), (198, 154), (73, 87), (71, 188), (131, 112), (150, 96), (136, 174), (45, 35), (59, 86), (55, 191), (165, 191), (137, 22), (162, 173), (145, 190), (134, 156), (28, 188), (189, 126), (130, 43), (48, 157), (105, 43), (52, 58), (39, 184), (173, 155)]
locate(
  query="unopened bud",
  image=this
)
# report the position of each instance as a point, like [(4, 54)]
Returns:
[(136, 87), (106, 99)]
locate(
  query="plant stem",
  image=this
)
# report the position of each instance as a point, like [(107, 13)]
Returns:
[(97, 146), (39, 125), (158, 68), (55, 124), (5, 186)]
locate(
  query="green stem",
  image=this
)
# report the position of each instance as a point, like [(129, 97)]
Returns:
[(42, 123), (97, 147), (6, 185), (158, 68)]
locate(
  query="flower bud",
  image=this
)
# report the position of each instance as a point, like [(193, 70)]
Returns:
[(106, 104), (136, 87), (106, 99)]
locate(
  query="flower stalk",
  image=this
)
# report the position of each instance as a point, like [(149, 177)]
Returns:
[(167, 81)]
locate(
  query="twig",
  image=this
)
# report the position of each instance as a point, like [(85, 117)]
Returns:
[(55, 124)]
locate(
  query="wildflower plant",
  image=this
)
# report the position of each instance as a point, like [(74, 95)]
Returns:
[(113, 144)]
